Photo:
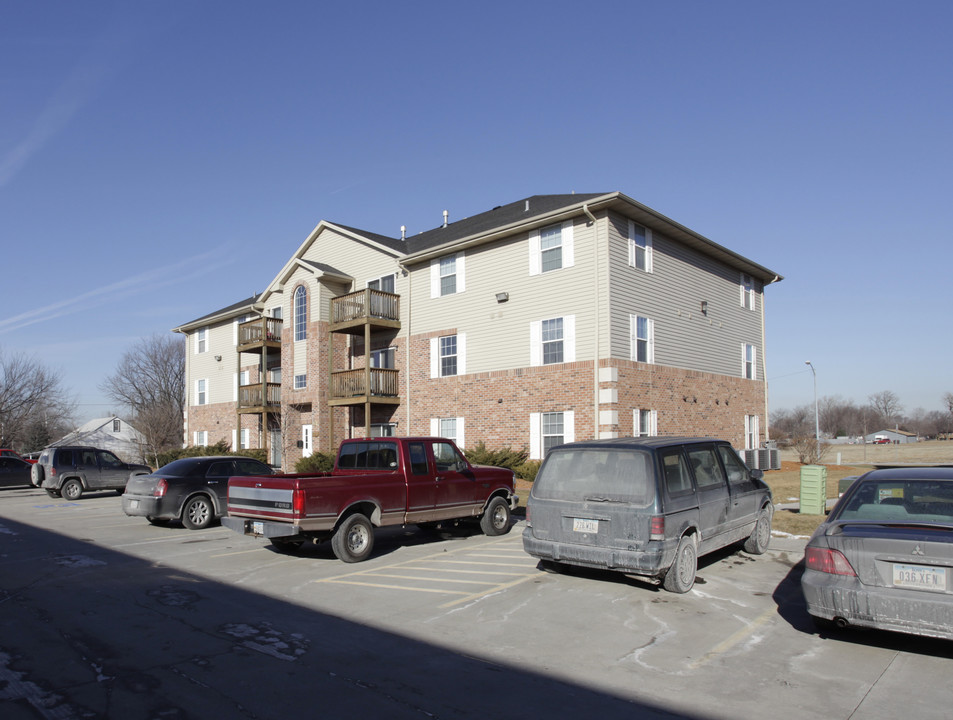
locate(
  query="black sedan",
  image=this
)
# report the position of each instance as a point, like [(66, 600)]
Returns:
[(14, 471), (884, 556), (192, 490)]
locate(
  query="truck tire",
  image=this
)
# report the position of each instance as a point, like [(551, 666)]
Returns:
[(72, 489), (198, 512), (681, 576), (354, 539), (496, 519), (36, 474)]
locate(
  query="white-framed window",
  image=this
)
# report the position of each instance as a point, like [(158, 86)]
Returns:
[(200, 438), (201, 340), (384, 283), (450, 428), (240, 440), (552, 341), (644, 423), (448, 355), (201, 392), (752, 431), (117, 425), (301, 313), (551, 248), (383, 429), (749, 364), (448, 275), (643, 338), (301, 382), (235, 323), (277, 312), (640, 247), (747, 291), (549, 429), (306, 441)]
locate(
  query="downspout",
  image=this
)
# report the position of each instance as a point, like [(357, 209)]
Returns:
[(764, 363), (407, 349), (598, 323)]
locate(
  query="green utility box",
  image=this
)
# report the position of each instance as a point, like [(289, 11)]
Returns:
[(813, 490)]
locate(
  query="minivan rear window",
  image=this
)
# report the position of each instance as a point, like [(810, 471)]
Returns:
[(597, 475)]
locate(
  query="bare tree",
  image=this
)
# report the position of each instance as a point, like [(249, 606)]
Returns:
[(31, 395), (150, 382), (948, 401), (887, 406)]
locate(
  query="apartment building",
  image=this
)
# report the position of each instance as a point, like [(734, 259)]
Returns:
[(547, 320)]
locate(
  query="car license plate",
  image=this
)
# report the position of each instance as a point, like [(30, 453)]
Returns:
[(258, 528), (919, 577), (585, 525)]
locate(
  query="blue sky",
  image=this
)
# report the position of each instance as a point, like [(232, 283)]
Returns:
[(159, 160)]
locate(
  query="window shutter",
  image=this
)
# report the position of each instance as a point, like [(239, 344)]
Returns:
[(434, 357), (648, 250), (567, 240), (653, 420), (535, 436), (633, 337), (632, 248), (569, 426), (461, 272), (569, 338), (535, 266), (461, 353), (651, 324), (536, 343), (435, 278), (435, 427), (234, 440), (636, 422), (460, 434)]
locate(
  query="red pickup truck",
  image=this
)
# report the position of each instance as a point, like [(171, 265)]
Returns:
[(375, 482)]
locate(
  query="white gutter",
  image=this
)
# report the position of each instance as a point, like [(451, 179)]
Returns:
[(595, 353)]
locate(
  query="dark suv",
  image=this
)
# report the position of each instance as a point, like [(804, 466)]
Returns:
[(71, 471), (645, 506)]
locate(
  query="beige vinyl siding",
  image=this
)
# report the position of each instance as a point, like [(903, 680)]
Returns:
[(671, 296), (498, 334), (218, 373)]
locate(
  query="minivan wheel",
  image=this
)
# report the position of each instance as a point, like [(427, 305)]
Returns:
[(760, 538), (681, 576), (72, 489)]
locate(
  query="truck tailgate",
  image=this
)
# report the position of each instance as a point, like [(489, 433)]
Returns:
[(269, 498)]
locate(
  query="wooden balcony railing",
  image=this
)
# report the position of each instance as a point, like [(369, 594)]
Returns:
[(260, 330), (353, 383), (250, 396), (365, 304)]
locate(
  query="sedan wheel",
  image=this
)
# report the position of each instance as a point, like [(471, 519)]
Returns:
[(197, 513)]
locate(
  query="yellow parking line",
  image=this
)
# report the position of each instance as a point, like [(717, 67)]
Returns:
[(402, 587), (491, 591), (734, 638), (432, 579)]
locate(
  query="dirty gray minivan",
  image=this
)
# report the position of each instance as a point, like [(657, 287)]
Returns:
[(645, 506)]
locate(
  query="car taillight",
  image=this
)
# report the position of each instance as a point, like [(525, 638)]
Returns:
[(829, 561), (297, 503), (657, 527), (161, 487), (52, 472)]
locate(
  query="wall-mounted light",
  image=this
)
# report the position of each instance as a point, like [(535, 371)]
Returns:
[(218, 358), (705, 307), (502, 297)]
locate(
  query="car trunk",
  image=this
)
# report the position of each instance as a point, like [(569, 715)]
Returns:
[(902, 556), (141, 484)]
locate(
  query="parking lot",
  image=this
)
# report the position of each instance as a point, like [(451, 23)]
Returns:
[(107, 616)]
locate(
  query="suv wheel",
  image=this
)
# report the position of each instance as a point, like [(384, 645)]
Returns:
[(72, 489)]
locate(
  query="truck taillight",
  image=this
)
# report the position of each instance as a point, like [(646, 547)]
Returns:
[(826, 560), (297, 503), (161, 487), (657, 527)]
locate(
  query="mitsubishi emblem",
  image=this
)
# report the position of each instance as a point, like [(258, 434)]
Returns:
[(917, 551)]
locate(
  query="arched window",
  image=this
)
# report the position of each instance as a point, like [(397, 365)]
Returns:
[(301, 312)]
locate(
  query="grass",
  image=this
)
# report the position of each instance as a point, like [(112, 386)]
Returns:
[(786, 488)]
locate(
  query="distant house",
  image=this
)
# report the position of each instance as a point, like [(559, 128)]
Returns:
[(109, 433), (892, 436)]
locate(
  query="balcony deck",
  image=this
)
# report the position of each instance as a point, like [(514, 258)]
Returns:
[(349, 387), (251, 399), (352, 312), (258, 334)]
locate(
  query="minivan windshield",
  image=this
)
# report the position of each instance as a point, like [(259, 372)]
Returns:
[(597, 475)]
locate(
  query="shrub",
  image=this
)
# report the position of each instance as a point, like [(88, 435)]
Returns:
[(219, 448), (505, 457), (527, 471), (317, 463)]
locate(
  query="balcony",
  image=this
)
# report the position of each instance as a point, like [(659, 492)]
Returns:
[(353, 387), (351, 312), (263, 332), (251, 400)]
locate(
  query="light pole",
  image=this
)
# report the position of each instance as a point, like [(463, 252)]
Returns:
[(817, 424)]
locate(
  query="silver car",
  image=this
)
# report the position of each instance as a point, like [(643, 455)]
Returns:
[(884, 556)]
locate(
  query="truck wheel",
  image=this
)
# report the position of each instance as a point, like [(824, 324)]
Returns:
[(197, 513), (681, 576), (760, 538), (496, 519), (72, 489), (354, 539)]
